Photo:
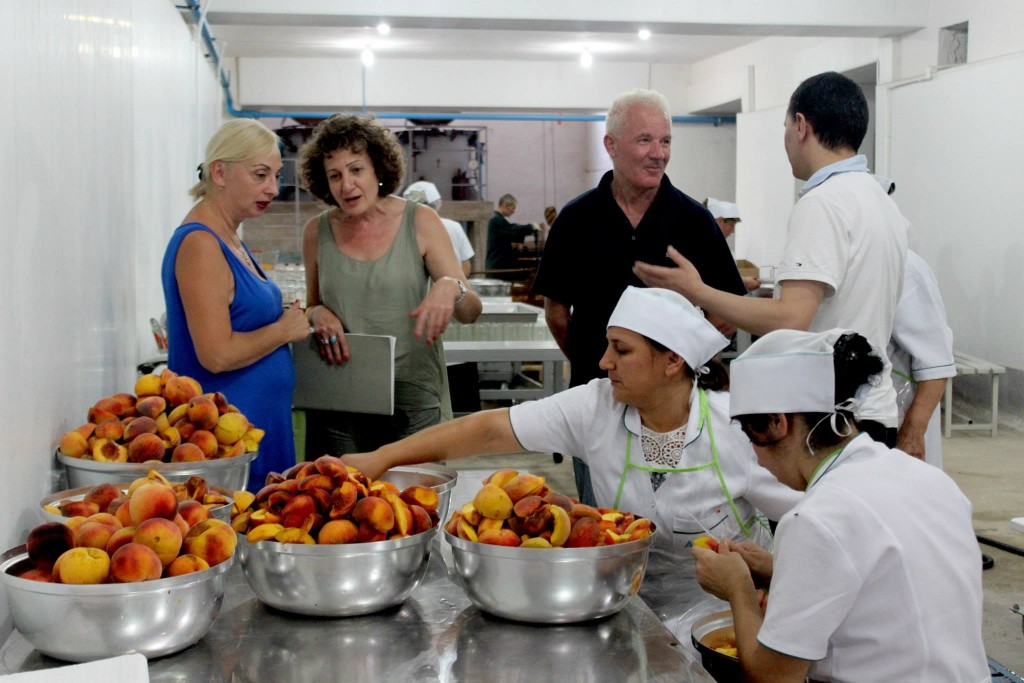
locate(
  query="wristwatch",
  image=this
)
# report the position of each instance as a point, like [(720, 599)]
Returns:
[(463, 291)]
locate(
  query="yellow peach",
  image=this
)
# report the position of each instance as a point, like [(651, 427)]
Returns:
[(84, 566)]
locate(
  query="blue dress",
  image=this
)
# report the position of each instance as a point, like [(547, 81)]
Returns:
[(263, 390)]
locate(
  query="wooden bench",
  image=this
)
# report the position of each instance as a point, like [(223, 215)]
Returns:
[(969, 365)]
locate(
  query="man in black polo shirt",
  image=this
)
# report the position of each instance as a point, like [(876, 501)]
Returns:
[(634, 214)]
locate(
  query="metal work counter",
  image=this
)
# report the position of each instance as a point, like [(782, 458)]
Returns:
[(545, 352), (435, 636)]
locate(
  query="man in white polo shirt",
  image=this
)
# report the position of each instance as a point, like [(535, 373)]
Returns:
[(846, 246)]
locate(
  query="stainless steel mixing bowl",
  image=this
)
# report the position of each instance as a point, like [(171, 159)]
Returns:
[(221, 512), (550, 585), (441, 479), (83, 623), (335, 580), (231, 473)]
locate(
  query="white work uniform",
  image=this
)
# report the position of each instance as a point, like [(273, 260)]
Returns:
[(847, 233), (463, 249), (721, 491), (921, 347), (877, 573)]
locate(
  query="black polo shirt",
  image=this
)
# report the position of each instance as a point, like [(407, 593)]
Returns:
[(589, 255)]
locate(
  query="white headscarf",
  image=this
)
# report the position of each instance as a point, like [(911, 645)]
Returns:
[(672, 321)]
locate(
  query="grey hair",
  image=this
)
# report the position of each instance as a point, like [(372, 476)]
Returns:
[(506, 199), (615, 119)]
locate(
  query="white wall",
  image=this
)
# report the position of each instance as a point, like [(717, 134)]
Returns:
[(99, 143)]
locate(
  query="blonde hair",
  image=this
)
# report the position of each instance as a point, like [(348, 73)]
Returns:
[(236, 140)]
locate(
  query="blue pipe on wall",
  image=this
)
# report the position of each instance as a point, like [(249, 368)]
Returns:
[(193, 7)]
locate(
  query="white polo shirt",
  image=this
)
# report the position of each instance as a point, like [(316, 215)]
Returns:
[(877, 574), (847, 233), (463, 249), (921, 347)]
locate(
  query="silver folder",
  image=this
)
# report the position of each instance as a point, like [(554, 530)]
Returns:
[(365, 384)]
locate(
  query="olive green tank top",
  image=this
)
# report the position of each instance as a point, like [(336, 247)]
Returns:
[(375, 297)]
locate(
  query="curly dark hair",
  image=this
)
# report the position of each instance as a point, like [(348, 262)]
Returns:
[(358, 134)]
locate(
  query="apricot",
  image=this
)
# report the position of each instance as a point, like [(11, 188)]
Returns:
[(102, 495), (492, 501), (152, 500), (47, 542), (500, 537), (187, 452), (43, 575), (203, 413), (375, 512), (119, 538), (105, 450), (206, 442), (162, 536), (193, 512), (423, 496), (78, 508), (337, 531), (230, 428), (148, 385), (152, 406), (146, 447), (181, 389), (421, 519), (186, 564), (212, 540), (138, 426), (84, 566), (73, 444), (134, 562), (523, 485), (500, 477), (585, 533)]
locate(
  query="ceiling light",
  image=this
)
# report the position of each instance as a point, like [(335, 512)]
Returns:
[(367, 57), (586, 59), (383, 28), (644, 34)]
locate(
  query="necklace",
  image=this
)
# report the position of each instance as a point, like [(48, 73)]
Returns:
[(240, 250)]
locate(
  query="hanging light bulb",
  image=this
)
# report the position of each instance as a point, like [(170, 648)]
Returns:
[(383, 28), (644, 34), (586, 59), (367, 57)]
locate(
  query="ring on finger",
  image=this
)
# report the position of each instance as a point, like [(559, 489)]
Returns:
[(323, 340), (333, 339)]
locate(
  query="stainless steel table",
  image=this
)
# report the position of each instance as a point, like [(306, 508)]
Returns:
[(516, 352), (435, 636)]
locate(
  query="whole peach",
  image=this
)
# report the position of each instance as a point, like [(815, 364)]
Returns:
[(231, 427), (94, 535), (47, 542), (185, 564), (193, 512), (152, 500), (212, 540), (187, 452), (84, 566), (102, 495), (119, 538), (206, 442), (203, 413), (135, 562), (162, 536), (146, 447), (181, 389)]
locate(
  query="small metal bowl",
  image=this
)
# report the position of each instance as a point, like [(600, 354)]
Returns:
[(335, 580), (704, 633), (550, 585), (441, 479), (84, 623), (231, 473), (221, 512)]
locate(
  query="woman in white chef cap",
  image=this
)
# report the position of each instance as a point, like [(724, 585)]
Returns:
[(876, 573), (656, 434)]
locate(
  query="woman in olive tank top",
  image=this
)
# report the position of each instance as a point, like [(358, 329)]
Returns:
[(377, 264)]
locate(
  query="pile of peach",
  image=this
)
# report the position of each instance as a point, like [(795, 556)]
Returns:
[(168, 419), (109, 497), (515, 509), (326, 502), (149, 535)]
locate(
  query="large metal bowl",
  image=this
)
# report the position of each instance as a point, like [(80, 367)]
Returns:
[(335, 580), (231, 473), (550, 585), (441, 479), (221, 512), (706, 633), (83, 623)]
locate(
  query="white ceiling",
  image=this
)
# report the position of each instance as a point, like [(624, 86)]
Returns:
[(683, 32)]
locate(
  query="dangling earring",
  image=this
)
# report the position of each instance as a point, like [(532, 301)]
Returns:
[(380, 184)]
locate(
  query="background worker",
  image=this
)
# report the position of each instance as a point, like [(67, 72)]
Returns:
[(424, 192), (727, 215), (502, 235)]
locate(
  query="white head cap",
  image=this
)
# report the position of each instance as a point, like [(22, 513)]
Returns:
[(790, 371), (720, 209), (423, 192), (672, 321)]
